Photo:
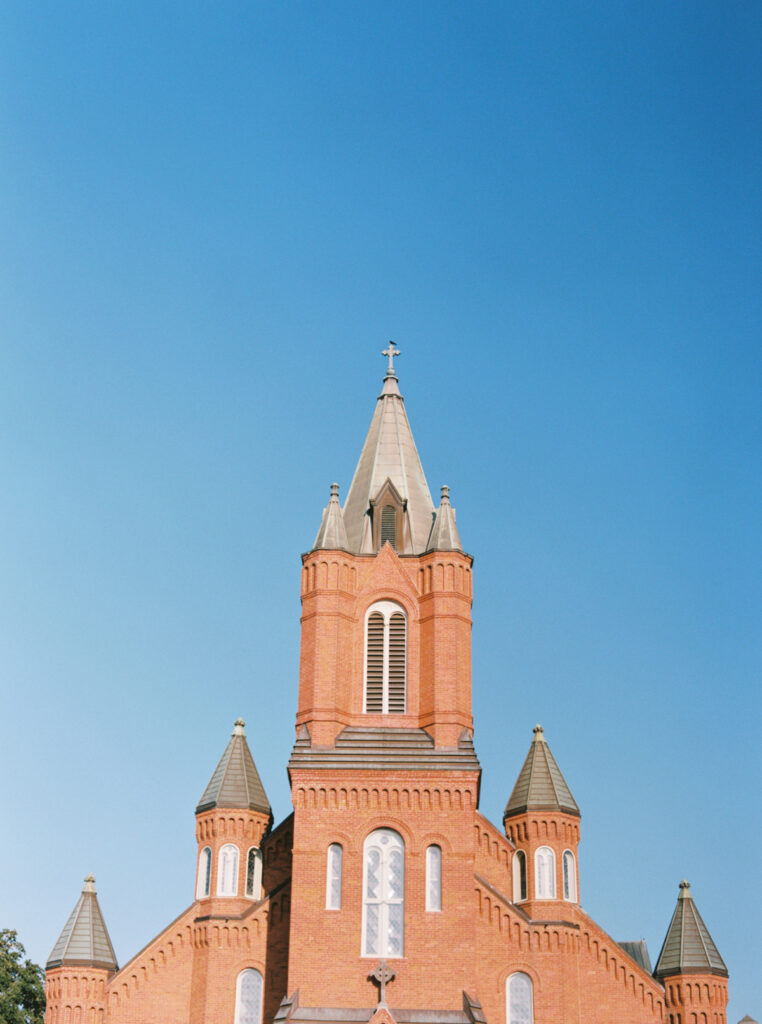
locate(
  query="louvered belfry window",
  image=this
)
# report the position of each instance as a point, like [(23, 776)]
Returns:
[(389, 526), (386, 659)]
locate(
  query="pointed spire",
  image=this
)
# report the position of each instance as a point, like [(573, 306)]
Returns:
[(85, 941), (444, 532), (688, 947), (540, 785), (389, 456), (332, 534), (235, 782)]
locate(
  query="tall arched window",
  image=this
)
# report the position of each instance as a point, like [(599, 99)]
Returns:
[(254, 873), (545, 874), (519, 876), (434, 878), (518, 999), (383, 905), (204, 877), (570, 877), (248, 997), (227, 871), (385, 659), (333, 877)]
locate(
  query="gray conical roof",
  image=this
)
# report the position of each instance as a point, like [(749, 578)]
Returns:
[(85, 940), (389, 454), (688, 947), (444, 532), (332, 534), (540, 785), (236, 781)]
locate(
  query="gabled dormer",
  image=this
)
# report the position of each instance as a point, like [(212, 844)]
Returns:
[(388, 511)]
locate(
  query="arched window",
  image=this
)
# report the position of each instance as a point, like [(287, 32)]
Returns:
[(248, 997), (570, 877), (333, 878), (545, 874), (434, 878), (389, 526), (204, 877), (518, 999), (254, 873), (383, 905), (519, 876), (385, 659), (227, 871)]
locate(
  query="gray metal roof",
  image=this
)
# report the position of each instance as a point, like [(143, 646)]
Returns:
[(235, 782), (540, 785), (389, 453), (688, 947), (85, 940), (638, 951), (384, 748), (444, 532), (332, 534)]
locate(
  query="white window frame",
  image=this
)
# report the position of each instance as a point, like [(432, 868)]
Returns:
[(434, 878), (333, 876), (239, 1008), (254, 891), (222, 890), (569, 872), (511, 1017), (544, 875), (385, 842), (519, 857), (204, 876), (386, 609)]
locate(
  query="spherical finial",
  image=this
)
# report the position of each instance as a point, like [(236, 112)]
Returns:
[(238, 728), (685, 890)]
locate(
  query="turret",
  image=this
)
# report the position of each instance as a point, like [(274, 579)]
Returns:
[(80, 964), (690, 967), (232, 817), (542, 821)]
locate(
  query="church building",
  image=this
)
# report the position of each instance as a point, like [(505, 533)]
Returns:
[(386, 895)]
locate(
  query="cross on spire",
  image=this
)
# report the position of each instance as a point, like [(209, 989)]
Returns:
[(383, 973), (391, 352)]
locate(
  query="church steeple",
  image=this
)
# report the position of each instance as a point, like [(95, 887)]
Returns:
[(84, 941)]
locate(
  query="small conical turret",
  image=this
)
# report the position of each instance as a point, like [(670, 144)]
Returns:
[(688, 947), (332, 534), (235, 782), (84, 941), (540, 785), (444, 532)]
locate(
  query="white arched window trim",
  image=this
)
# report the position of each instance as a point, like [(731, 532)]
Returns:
[(227, 871), (570, 876), (519, 999), (383, 886), (434, 877), (519, 873), (248, 997), (385, 677), (204, 876), (333, 871), (545, 874), (254, 873)]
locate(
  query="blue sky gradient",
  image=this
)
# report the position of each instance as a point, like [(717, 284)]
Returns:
[(214, 217)]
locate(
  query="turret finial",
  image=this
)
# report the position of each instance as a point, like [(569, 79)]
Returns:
[(538, 734), (89, 883), (391, 352), (445, 495), (685, 891), (238, 727), (335, 491)]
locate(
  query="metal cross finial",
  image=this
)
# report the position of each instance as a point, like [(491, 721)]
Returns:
[(391, 352), (383, 974)]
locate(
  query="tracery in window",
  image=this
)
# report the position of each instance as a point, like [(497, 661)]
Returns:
[(545, 873), (204, 877), (518, 998), (434, 878), (519, 876), (385, 659), (383, 907), (248, 997), (227, 871), (570, 877), (333, 877), (254, 873)]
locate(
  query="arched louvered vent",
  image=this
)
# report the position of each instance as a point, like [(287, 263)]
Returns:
[(389, 526), (397, 673), (386, 660), (374, 670)]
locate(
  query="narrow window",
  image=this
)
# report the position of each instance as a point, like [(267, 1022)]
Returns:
[(545, 873), (434, 878), (518, 998), (254, 874), (204, 873), (389, 526), (383, 907), (227, 871), (570, 877), (385, 659), (333, 878), (248, 997), (519, 876)]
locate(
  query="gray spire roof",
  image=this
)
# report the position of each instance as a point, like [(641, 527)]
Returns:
[(688, 947), (540, 785), (389, 454), (332, 534), (85, 940), (444, 532), (236, 781)]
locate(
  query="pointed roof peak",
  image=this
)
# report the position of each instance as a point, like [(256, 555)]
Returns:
[(235, 782), (688, 947), (332, 535), (540, 785), (84, 940), (444, 533)]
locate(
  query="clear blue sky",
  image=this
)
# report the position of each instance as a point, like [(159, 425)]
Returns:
[(213, 218)]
